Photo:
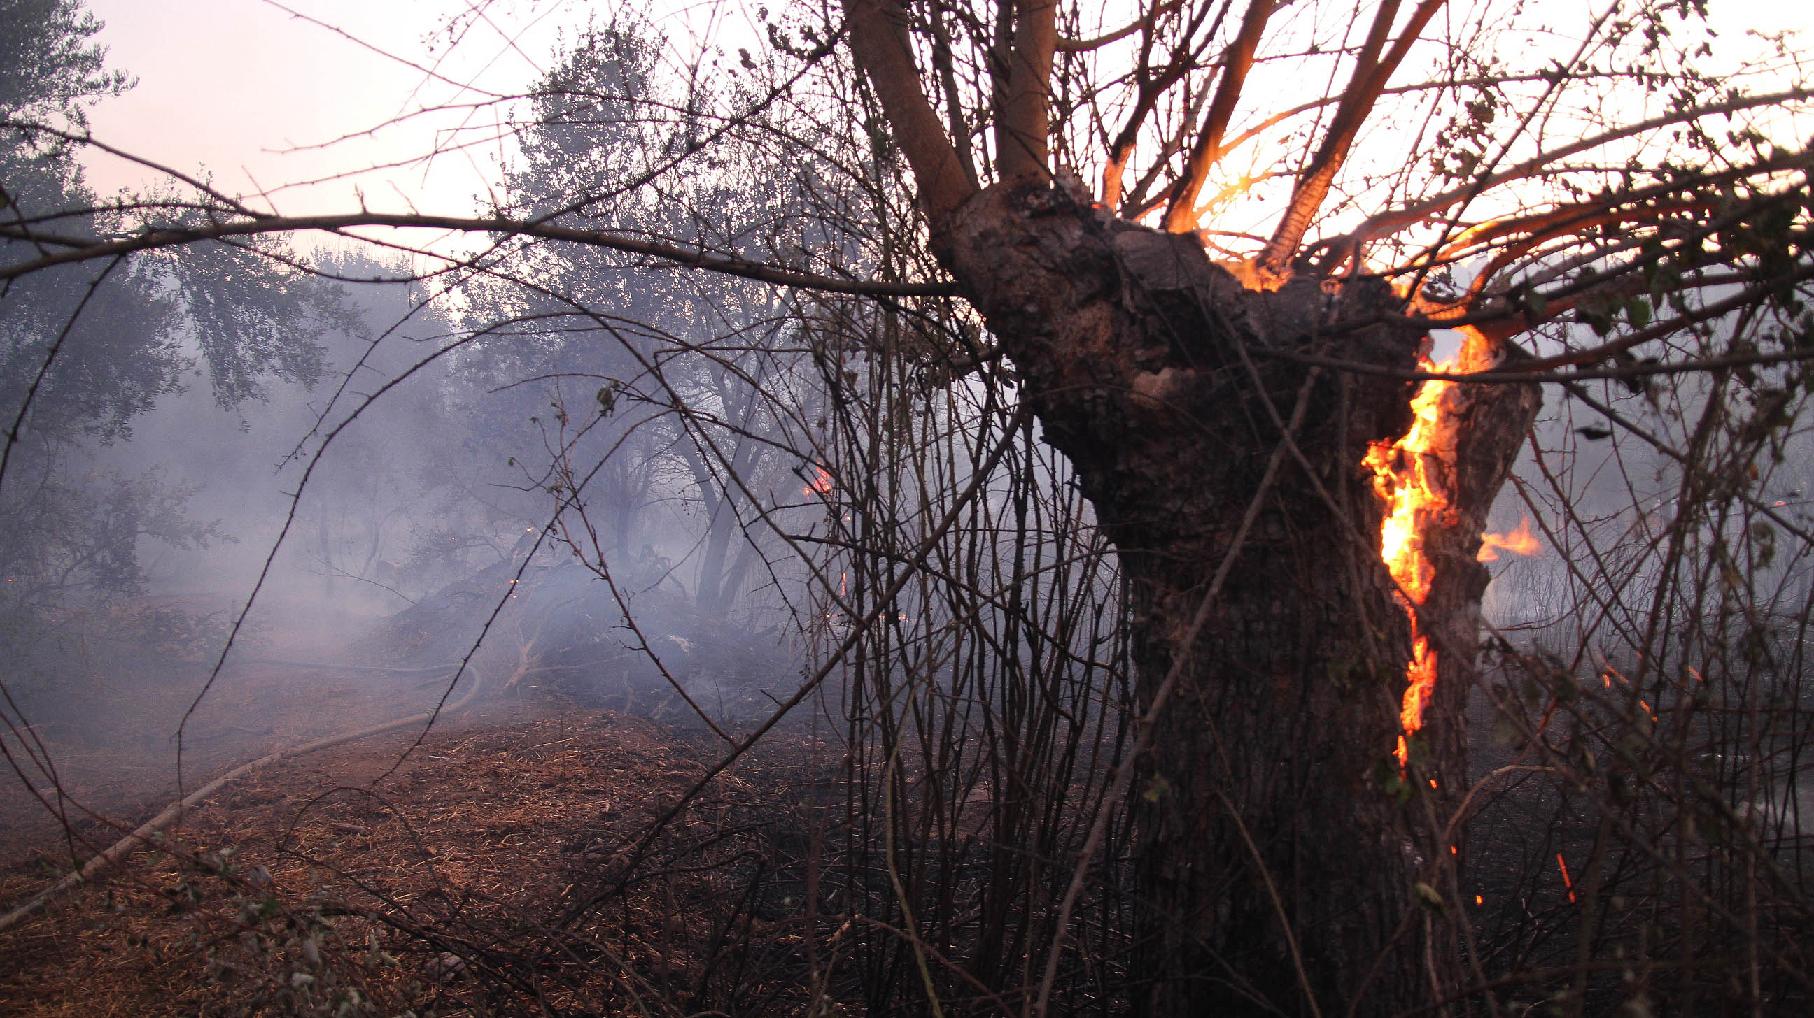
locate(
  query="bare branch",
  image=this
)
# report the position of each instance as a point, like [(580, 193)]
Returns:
[(1024, 124), (878, 40), (1179, 214), (1390, 222), (87, 249), (1143, 21), (1364, 89)]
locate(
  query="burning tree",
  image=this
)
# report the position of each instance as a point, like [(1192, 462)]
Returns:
[(1218, 302), (1292, 801)]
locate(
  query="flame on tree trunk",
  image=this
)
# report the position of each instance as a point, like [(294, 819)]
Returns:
[(1414, 477), (1278, 848)]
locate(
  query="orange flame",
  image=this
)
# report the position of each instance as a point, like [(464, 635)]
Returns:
[(1518, 542), (1413, 477), (820, 484)]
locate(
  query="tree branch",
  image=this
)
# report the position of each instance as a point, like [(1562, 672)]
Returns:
[(878, 41), (1143, 21), (1387, 223), (954, 107), (1179, 215), (81, 249), (1023, 125), (1364, 88)]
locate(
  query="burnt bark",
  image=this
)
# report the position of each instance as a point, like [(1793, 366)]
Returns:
[(1279, 845)]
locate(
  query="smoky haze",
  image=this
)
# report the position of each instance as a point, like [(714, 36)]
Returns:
[(525, 477), (265, 494)]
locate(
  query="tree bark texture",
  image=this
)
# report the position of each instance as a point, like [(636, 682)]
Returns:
[(1279, 845)]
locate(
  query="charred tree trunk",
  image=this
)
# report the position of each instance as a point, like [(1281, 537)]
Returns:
[(1280, 847)]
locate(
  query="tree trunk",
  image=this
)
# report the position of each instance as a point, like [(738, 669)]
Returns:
[(1280, 845), (713, 595)]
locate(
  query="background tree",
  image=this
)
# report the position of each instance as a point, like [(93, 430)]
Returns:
[(86, 350)]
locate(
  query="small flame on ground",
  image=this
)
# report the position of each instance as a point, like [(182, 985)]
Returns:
[(820, 484), (1567, 884), (1518, 542)]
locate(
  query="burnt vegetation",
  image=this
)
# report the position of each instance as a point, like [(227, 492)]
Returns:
[(934, 507)]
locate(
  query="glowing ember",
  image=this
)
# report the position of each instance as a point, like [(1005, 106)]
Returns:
[(1518, 542), (1413, 477), (820, 484)]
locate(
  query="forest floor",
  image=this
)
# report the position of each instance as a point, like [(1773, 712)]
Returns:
[(364, 879)]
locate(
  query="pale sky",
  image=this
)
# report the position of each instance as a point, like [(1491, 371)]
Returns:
[(232, 85), (238, 86)]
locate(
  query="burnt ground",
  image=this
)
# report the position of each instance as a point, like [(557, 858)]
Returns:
[(347, 882)]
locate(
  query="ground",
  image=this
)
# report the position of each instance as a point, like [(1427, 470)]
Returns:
[(337, 886)]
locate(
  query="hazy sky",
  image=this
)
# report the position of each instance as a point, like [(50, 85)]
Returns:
[(234, 85)]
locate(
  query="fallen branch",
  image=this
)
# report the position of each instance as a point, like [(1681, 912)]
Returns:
[(147, 833)]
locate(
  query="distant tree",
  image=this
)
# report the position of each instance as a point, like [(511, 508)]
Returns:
[(652, 387), (86, 349)]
